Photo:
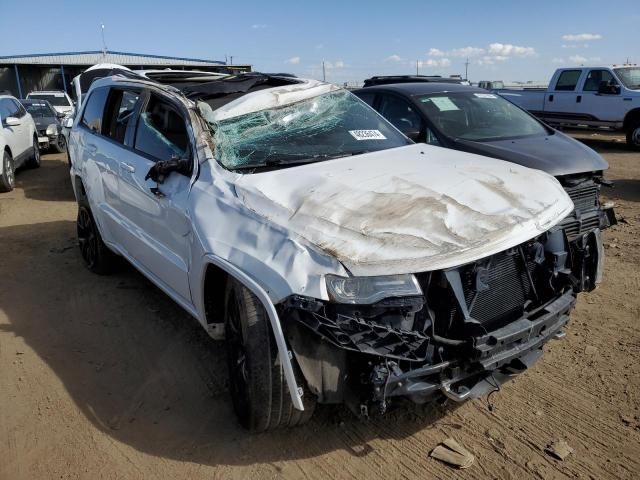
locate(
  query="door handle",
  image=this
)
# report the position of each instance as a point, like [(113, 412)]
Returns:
[(128, 167), (92, 148), (579, 99)]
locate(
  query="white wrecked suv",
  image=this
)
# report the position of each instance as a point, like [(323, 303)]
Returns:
[(340, 262)]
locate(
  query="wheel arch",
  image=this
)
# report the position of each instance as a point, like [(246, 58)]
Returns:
[(219, 270), (630, 117)]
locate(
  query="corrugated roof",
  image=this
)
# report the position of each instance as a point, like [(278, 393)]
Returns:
[(97, 56)]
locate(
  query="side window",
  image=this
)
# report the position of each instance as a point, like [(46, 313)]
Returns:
[(5, 110), (595, 77), (118, 111), (367, 98), (431, 139), (161, 132), (568, 80), (92, 115), (400, 113), (20, 111)]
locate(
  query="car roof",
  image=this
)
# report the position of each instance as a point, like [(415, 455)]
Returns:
[(421, 88)]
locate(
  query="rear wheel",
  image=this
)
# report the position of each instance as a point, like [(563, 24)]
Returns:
[(61, 145), (97, 257), (633, 135), (34, 161), (258, 386), (8, 175)]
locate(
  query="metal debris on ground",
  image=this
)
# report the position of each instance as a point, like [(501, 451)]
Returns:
[(453, 453), (559, 449)]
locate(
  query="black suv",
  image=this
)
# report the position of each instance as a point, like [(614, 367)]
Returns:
[(473, 120)]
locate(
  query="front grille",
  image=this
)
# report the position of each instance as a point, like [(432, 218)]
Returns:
[(584, 196), (505, 288), (574, 227)]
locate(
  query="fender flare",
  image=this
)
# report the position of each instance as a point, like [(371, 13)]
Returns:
[(285, 354)]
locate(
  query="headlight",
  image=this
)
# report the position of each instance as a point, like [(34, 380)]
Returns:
[(367, 290), (52, 129)]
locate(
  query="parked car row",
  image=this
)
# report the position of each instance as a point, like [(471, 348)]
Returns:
[(340, 261)]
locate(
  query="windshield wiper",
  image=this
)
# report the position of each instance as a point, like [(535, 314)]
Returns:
[(280, 162)]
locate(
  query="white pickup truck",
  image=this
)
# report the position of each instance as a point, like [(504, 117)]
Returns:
[(587, 97)]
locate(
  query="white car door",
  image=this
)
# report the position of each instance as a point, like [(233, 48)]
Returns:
[(17, 136), (158, 230), (562, 97), (609, 107)]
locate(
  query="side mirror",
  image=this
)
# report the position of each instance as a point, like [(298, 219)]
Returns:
[(11, 122), (68, 122), (606, 88), (60, 114), (161, 170), (413, 133)]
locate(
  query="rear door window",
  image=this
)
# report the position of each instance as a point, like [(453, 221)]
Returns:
[(119, 110), (367, 98), (568, 80), (161, 133), (92, 115)]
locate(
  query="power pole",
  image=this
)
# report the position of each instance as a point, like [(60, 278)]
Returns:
[(231, 59), (466, 70), (324, 72), (104, 44), (417, 67)]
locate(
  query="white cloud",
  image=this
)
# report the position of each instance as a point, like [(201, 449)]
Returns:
[(319, 46), (467, 52), (581, 37), (433, 63), (333, 65), (456, 52), (557, 60), (394, 58), (293, 61), (577, 59), (257, 26), (508, 50)]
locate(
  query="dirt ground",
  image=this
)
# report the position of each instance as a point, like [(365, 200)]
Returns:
[(105, 377)]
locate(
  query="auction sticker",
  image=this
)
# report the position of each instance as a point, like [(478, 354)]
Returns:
[(485, 95), (367, 134)]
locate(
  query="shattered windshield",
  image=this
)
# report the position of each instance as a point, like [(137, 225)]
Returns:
[(331, 125), (478, 116)]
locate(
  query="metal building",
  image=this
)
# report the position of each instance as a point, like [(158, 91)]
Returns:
[(21, 74)]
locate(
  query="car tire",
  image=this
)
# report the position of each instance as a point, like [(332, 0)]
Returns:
[(8, 175), (633, 135), (61, 145), (34, 161), (259, 391), (96, 255)]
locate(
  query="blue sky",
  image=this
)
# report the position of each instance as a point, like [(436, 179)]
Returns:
[(503, 40)]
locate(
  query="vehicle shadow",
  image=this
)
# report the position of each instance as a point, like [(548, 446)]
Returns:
[(50, 182), (604, 144), (623, 189), (145, 373)]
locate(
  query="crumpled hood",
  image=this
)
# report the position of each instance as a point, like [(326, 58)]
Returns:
[(556, 154), (410, 209)]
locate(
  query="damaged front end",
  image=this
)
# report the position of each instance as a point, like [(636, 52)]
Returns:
[(463, 332)]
